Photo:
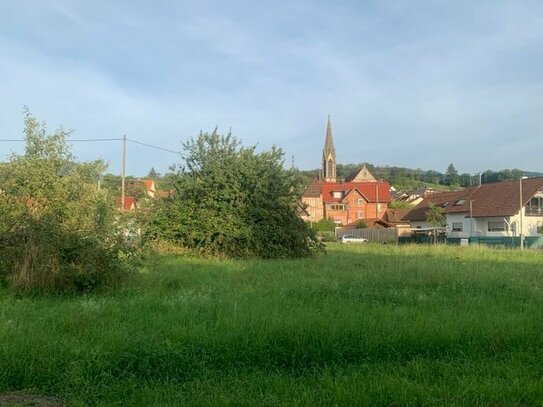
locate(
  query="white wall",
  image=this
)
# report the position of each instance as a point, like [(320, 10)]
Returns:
[(480, 225), (459, 218), (529, 223), (420, 224)]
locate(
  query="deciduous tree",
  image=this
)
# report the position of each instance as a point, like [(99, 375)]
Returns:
[(56, 225), (233, 201)]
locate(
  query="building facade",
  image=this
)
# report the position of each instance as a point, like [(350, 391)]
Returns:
[(499, 209), (359, 197)]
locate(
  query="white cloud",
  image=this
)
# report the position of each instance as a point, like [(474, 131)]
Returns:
[(421, 86)]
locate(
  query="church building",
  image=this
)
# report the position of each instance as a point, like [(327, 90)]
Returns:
[(360, 196)]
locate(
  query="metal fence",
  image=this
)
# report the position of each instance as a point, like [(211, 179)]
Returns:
[(373, 235), (534, 242)]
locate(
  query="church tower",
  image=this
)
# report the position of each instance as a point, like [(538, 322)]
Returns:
[(329, 156)]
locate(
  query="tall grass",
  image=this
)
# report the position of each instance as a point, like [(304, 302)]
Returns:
[(360, 325)]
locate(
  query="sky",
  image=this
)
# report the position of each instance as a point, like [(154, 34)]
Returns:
[(419, 83)]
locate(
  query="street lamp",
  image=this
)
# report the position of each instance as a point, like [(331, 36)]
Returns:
[(520, 213), (470, 218)]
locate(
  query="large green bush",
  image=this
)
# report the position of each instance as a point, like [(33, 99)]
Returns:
[(58, 230), (232, 201)]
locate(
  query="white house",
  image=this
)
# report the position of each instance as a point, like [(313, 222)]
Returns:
[(497, 209)]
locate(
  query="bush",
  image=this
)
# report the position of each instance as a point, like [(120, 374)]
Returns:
[(58, 230), (361, 224), (231, 201), (325, 225)]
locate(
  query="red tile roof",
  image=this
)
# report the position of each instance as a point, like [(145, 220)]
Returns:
[(368, 189), (129, 202), (495, 199), (149, 184)]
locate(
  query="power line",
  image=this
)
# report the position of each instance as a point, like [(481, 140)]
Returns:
[(96, 139), (105, 139), (70, 140), (153, 146)]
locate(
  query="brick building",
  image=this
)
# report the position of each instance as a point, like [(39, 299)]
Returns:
[(347, 201)]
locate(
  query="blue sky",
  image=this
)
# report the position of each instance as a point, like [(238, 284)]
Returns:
[(410, 83)]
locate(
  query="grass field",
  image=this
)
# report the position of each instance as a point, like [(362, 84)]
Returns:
[(360, 325)]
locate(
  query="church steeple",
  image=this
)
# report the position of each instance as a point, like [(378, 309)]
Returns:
[(329, 156)]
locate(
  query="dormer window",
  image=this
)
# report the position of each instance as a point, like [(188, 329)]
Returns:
[(445, 204), (337, 194), (460, 202)]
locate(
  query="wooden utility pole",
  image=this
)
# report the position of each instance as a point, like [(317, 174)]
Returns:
[(520, 214), (123, 190), (377, 209)]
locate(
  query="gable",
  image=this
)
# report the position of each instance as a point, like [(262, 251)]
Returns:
[(362, 175), (370, 190), (357, 193)]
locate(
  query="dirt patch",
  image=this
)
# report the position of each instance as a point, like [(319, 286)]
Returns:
[(24, 399)]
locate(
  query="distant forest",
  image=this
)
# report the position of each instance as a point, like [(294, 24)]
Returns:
[(400, 177), (407, 178)]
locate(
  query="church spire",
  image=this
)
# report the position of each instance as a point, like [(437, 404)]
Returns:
[(329, 155)]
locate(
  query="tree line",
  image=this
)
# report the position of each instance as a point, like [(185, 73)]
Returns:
[(407, 178)]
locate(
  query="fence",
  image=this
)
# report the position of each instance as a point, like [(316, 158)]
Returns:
[(534, 242), (373, 235)]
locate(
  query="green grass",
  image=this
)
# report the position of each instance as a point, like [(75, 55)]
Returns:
[(360, 325)]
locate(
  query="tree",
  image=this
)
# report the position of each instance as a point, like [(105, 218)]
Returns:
[(153, 174), (56, 225), (465, 180), (435, 216), (232, 201), (451, 176)]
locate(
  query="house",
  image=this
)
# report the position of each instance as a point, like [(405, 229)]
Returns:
[(139, 190), (359, 197), (150, 188), (130, 203), (395, 217), (415, 196), (504, 208)]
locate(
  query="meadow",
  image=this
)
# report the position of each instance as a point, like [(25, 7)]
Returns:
[(364, 325)]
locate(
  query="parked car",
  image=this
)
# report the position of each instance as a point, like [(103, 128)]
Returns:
[(352, 239)]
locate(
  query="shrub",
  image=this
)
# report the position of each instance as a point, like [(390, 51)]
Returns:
[(58, 230), (232, 201), (361, 224), (325, 225)]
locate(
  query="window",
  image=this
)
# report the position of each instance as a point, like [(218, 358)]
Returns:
[(457, 227), (535, 207), (360, 201), (360, 215), (336, 207), (497, 226), (330, 169), (445, 204), (337, 194), (460, 202)]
